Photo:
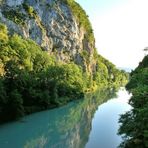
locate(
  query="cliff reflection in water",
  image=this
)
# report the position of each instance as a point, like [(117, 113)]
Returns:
[(65, 127)]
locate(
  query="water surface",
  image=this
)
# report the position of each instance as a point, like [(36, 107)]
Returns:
[(105, 122), (88, 123)]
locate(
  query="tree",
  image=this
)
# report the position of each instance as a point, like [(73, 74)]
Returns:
[(3, 34), (134, 123)]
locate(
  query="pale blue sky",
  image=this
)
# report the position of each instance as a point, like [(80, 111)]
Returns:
[(120, 28), (98, 6)]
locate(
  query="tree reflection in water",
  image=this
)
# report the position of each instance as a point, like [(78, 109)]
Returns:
[(65, 127)]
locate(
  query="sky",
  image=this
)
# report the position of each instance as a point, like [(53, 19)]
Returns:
[(120, 28)]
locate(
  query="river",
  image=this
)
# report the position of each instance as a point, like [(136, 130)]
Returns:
[(87, 123)]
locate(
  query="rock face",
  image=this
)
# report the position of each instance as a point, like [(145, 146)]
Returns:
[(52, 25)]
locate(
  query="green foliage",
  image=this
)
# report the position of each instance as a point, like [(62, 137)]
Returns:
[(144, 63), (66, 80), (139, 78), (3, 34), (31, 80), (3, 41), (85, 55), (134, 123), (107, 74), (101, 74), (15, 16), (29, 9), (82, 18), (33, 14)]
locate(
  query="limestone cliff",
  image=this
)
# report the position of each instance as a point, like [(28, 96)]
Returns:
[(54, 26)]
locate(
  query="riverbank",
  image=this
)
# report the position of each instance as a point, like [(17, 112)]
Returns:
[(134, 123), (61, 102), (70, 126), (32, 79)]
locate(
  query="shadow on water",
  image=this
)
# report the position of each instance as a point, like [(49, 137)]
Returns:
[(65, 127)]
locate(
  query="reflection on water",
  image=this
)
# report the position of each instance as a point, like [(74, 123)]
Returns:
[(105, 122), (77, 125)]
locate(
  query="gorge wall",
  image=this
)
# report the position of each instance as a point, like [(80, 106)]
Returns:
[(61, 27)]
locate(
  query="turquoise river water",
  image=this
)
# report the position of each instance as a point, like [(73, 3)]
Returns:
[(87, 123)]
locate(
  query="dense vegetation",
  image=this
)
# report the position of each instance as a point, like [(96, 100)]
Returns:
[(32, 80), (108, 75), (82, 19), (135, 122)]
